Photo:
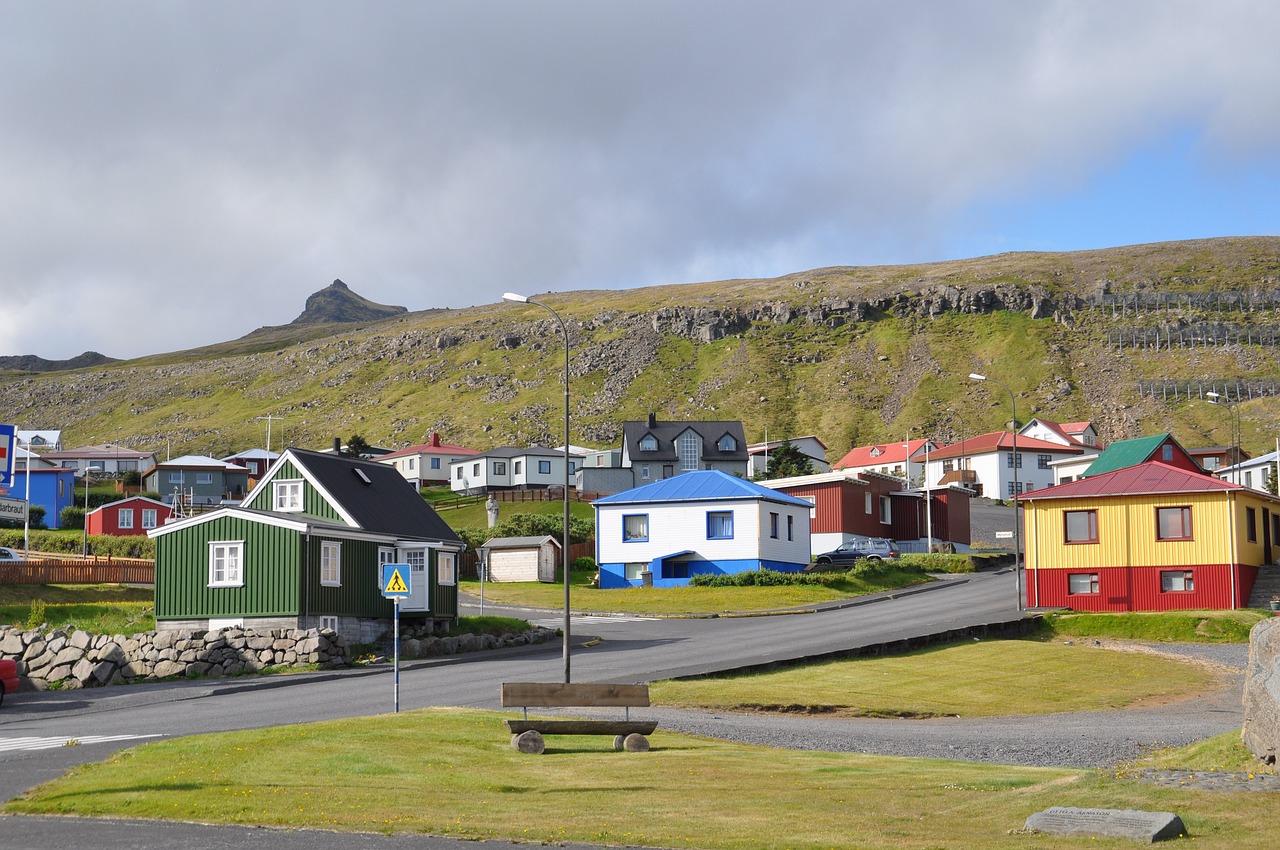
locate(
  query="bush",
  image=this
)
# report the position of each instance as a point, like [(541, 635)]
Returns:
[(140, 546), (936, 563), (35, 518), (530, 525), (585, 564), (72, 517), (760, 578)]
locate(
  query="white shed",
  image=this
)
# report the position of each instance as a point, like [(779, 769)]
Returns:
[(523, 558)]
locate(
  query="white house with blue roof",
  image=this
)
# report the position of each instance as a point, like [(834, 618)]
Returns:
[(704, 521)]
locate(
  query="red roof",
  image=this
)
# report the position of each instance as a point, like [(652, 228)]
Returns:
[(881, 455), (1151, 478), (434, 446), (997, 440)]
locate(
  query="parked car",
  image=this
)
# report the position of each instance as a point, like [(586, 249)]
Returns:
[(858, 548), (8, 677), (8, 556)]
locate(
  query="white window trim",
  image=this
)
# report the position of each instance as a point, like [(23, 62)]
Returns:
[(233, 551), (286, 495), (446, 568), (121, 516), (150, 517), (329, 621), (330, 563)]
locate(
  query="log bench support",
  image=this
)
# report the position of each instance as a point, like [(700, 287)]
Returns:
[(526, 734)]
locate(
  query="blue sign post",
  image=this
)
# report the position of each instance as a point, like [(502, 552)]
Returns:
[(396, 581), (8, 449)]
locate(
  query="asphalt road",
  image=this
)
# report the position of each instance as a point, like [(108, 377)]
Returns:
[(629, 649)]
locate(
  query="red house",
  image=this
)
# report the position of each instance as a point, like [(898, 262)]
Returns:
[(128, 517)]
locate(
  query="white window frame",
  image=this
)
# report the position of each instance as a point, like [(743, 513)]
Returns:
[(330, 563), (689, 450), (226, 563), (286, 495), (648, 443), (329, 621), (1083, 584), (149, 517), (204, 478), (638, 535), (886, 510), (124, 518), (446, 568)]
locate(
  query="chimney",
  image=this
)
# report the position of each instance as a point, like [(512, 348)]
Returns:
[(337, 445), (435, 440), (653, 420)]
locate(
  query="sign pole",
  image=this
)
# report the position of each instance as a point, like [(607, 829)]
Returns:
[(396, 656), (396, 581)]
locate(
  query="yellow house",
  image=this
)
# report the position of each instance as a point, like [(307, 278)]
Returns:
[(1151, 537)]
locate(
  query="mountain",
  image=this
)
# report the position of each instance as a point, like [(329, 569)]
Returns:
[(1131, 338), (31, 363), (337, 303)]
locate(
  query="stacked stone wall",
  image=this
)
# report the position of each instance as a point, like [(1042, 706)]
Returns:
[(1261, 729)]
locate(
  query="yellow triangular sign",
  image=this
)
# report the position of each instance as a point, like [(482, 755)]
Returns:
[(396, 584)]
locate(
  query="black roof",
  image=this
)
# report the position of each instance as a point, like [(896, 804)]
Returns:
[(666, 434), (376, 495)]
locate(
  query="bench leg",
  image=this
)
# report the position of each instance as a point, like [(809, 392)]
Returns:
[(530, 742)]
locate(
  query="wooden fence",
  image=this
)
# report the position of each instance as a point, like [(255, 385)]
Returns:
[(104, 570)]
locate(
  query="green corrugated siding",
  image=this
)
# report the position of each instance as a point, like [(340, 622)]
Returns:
[(444, 597), (313, 504), (360, 594), (271, 571)]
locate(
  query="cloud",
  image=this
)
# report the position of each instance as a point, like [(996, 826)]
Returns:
[(206, 167)]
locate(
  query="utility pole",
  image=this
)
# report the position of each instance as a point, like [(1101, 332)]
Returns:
[(269, 417)]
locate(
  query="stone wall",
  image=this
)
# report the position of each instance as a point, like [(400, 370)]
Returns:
[(77, 659), (1261, 732)]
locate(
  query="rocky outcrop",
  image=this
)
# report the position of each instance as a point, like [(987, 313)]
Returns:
[(337, 303), (32, 363), (1261, 731)]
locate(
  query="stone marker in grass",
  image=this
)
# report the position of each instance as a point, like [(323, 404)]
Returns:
[(1115, 823)]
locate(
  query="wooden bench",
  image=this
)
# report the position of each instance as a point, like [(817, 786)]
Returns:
[(526, 734)]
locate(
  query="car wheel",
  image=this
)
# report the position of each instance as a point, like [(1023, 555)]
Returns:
[(873, 557)]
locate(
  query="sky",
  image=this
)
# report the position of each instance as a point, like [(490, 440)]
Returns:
[(174, 174)]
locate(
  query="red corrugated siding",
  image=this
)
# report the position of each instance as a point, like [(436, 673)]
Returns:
[(1138, 589)]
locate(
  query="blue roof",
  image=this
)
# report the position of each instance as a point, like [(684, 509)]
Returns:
[(700, 485)]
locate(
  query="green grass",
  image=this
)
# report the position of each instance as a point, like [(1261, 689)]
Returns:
[(1159, 627), (98, 608), (972, 679), (685, 600), (1221, 753), (451, 772)]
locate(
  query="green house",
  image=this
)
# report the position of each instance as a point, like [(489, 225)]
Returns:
[(305, 549)]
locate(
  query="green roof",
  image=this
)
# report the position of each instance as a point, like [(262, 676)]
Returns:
[(1125, 453)]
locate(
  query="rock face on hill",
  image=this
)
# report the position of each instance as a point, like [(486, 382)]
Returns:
[(32, 363), (337, 303), (1261, 732)]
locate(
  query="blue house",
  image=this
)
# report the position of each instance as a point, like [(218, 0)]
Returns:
[(704, 521), (53, 488)]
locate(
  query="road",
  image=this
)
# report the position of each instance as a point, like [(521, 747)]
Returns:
[(33, 727)]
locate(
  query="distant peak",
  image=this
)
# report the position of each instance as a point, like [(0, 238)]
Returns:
[(338, 303), (338, 284)]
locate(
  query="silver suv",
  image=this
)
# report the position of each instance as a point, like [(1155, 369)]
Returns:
[(858, 548)]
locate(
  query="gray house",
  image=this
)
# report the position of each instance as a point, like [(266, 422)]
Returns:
[(197, 481), (654, 450)]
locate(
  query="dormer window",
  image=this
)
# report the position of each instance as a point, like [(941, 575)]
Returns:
[(876, 452), (727, 443), (648, 443), (287, 495)]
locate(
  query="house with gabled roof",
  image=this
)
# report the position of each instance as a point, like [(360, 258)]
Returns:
[(305, 550), (1068, 433), (197, 481), (655, 449), (1125, 453), (41, 440), (702, 521), (1154, 536), (129, 517), (989, 464), (109, 458), (903, 459), (427, 463), (510, 468), (257, 461)]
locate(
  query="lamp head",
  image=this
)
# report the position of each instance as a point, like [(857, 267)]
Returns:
[(511, 296), (974, 376), (1212, 394)]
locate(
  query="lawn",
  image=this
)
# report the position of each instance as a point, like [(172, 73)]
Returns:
[(970, 679), (98, 608), (1159, 626), (451, 772), (686, 600)]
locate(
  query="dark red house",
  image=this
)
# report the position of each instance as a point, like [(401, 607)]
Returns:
[(128, 517)]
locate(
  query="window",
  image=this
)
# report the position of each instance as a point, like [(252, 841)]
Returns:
[(225, 559), (648, 443), (1250, 525), (689, 449), (1166, 453), (867, 501), (1081, 526), (1013, 460), (287, 495), (948, 466), (446, 568), (727, 443), (667, 471), (573, 467), (148, 518), (330, 564), (1042, 461), (124, 518), (475, 470), (720, 525), (127, 465), (635, 528), (516, 467), (1248, 478), (435, 463), (458, 474), (886, 514), (1013, 491), (1078, 583), (1173, 581), (791, 527), (499, 467), (1173, 523), (633, 571), (386, 555), (773, 525), (644, 472), (328, 622), (1211, 463), (175, 477), (204, 477), (544, 467)]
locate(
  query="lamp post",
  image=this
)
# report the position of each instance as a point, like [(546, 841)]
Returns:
[(26, 523), (564, 552), (1017, 519), (1233, 411)]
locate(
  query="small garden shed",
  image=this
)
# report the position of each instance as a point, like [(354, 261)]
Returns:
[(522, 558)]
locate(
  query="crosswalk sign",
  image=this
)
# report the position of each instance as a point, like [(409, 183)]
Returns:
[(395, 579)]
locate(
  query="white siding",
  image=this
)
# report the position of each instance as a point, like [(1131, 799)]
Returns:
[(683, 526), (514, 564)]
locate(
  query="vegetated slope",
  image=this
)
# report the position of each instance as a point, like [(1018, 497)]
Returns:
[(32, 363), (853, 355)]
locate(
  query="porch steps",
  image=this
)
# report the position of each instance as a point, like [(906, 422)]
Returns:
[(1265, 586)]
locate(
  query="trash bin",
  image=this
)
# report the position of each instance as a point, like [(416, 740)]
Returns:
[(646, 578)]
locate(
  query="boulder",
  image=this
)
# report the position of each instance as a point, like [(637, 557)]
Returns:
[(1261, 730)]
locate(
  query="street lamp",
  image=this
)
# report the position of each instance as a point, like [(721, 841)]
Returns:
[(1233, 410), (564, 551), (1017, 520)]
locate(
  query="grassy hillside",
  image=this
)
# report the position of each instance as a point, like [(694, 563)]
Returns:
[(853, 355)]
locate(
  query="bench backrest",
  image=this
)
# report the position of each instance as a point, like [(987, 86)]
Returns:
[(586, 694)]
